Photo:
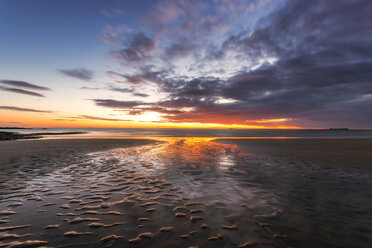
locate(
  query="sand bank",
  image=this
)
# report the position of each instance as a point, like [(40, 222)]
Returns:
[(23, 148), (334, 153)]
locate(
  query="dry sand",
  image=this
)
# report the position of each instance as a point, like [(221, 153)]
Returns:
[(334, 153)]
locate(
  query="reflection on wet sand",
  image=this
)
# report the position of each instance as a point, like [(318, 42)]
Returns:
[(186, 192)]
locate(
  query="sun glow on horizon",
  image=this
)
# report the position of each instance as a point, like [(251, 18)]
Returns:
[(146, 120)]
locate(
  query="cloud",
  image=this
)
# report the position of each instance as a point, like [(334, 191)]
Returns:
[(82, 74), (304, 63), (179, 50), (138, 48), (22, 84), (24, 109), (98, 118), (140, 94), (90, 88), (20, 91), (117, 104), (124, 78)]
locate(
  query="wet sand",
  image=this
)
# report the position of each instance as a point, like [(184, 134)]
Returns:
[(15, 149), (335, 153), (184, 192)]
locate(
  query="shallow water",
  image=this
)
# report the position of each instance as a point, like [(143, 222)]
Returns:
[(240, 197), (179, 132)]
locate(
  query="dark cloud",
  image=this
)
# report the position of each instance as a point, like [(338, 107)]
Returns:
[(82, 73), (130, 90), (179, 50), (20, 91), (123, 78), (140, 94), (138, 48), (98, 118), (310, 62), (90, 88), (117, 104), (122, 90), (22, 84), (24, 109)]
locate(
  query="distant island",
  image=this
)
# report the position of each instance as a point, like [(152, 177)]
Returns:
[(15, 128), (15, 135)]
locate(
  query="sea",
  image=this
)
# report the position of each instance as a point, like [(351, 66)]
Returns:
[(175, 132)]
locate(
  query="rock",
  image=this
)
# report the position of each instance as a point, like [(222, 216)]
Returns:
[(194, 211), (79, 220), (204, 226), (180, 208), (7, 212), (147, 164), (150, 210), (194, 218), (4, 236), (152, 191), (74, 234), (263, 224), (166, 229), (146, 235), (194, 203), (51, 227), (9, 228), (135, 240), (48, 204), (180, 215), (232, 227), (247, 244), (16, 204), (110, 238), (215, 237), (143, 219), (279, 236), (27, 243), (147, 204), (96, 225), (65, 206), (168, 194)]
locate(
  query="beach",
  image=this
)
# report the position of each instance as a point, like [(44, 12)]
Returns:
[(186, 192)]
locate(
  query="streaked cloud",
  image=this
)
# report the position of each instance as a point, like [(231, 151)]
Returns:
[(99, 118), (82, 74), (20, 91), (117, 104), (137, 49), (24, 109), (22, 84)]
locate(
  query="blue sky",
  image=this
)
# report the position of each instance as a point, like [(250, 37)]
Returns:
[(259, 63)]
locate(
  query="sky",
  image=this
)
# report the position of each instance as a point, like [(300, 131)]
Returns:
[(191, 64)]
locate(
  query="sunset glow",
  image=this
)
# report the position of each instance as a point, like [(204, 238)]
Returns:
[(183, 64)]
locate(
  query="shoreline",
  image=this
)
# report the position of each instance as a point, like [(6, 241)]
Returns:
[(19, 136)]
